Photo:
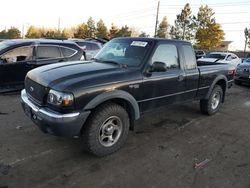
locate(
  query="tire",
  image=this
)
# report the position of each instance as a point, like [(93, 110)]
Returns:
[(237, 82), (107, 129), (213, 103)]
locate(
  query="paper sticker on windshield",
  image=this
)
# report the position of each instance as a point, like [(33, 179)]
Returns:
[(139, 43)]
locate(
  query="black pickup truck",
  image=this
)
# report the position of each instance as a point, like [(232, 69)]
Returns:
[(99, 100)]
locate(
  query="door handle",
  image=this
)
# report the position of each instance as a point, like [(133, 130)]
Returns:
[(29, 65), (181, 77)]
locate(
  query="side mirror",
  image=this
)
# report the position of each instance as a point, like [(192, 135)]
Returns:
[(229, 59), (158, 67)]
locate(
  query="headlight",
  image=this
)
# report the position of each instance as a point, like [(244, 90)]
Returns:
[(60, 99)]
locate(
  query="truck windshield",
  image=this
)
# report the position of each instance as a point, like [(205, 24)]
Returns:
[(124, 52)]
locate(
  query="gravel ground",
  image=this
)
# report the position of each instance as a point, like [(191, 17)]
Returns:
[(161, 152)]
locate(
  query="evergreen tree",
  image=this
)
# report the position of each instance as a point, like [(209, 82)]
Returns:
[(124, 32), (143, 34), (113, 31), (91, 27), (101, 30), (184, 25), (162, 31)]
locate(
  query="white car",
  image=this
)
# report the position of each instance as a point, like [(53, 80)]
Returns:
[(221, 57), (91, 48)]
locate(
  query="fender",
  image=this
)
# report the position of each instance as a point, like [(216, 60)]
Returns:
[(115, 94), (217, 79)]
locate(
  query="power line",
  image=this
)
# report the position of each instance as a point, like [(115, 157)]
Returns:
[(172, 13), (231, 23), (211, 4)]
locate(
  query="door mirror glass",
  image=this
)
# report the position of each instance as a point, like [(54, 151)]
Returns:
[(158, 66)]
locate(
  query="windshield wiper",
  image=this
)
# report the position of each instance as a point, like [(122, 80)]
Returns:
[(110, 62)]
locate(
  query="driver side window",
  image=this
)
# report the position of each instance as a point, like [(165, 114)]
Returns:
[(166, 53), (19, 54), (229, 58)]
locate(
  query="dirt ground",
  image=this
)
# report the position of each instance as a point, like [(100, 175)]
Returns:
[(161, 152)]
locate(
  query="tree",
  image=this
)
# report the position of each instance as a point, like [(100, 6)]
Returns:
[(247, 36), (13, 33), (163, 28), (135, 32), (33, 32), (3, 34), (143, 34), (91, 27), (113, 31), (67, 33), (81, 31), (209, 33), (184, 25), (101, 29), (211, 37), (124, 32)]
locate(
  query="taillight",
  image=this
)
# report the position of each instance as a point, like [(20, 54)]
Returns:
[(232, 73)]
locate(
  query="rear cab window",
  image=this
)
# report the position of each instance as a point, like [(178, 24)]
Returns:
[(189, 56)]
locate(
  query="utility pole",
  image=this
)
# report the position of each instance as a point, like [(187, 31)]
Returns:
[(157, 14), (59, 24), (23, 31)]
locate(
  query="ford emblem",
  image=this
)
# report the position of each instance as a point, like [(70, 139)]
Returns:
[(31, 89)]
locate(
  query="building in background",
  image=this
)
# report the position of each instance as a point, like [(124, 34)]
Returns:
[(226, 46)]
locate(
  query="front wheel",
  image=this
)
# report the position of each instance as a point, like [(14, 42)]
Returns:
[(107, 129), (211, 105)]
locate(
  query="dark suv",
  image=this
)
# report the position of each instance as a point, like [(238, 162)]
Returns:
[(17, 57)]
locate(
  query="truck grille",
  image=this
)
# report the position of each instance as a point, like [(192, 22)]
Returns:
[(36, 92)]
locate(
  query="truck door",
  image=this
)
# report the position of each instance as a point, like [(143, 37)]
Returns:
[(162, 88)]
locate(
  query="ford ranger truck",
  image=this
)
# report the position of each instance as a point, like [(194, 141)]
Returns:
[(99, 100)]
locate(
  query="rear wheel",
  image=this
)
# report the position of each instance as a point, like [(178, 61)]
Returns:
[(211, 105), (106, 130)]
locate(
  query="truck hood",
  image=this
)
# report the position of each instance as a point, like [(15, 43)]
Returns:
[(72, 75)]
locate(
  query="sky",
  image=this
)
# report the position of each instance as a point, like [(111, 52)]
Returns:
[(233, 15)]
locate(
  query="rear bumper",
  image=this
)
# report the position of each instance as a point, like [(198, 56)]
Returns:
[(52, 122)]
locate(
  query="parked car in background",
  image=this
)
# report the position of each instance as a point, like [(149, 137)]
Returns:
[(91, 48), (19, 56), (243, 72), (221, 57), (199, 54), (244, 58)]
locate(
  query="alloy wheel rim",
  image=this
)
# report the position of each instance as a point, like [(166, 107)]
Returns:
[(110, 131), (215, 100)]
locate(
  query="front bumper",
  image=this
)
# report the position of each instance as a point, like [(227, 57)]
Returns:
[(52, 122)]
